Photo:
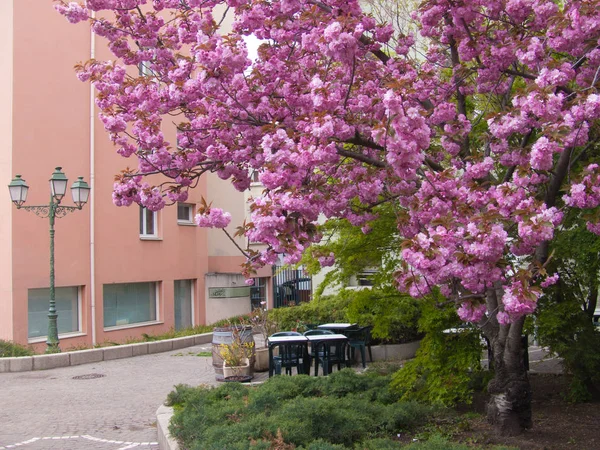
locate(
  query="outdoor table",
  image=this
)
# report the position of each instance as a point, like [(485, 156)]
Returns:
[(287, 340), (325, 341)]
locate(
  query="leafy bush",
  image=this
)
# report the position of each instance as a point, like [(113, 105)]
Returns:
[(324, 310), (318, 413), (447, 366), (392, 315), (10, 349), (565, 312)]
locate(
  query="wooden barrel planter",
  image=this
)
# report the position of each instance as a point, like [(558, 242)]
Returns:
[(222, 336)]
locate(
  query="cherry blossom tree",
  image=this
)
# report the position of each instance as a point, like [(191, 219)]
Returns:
[(480, 143)]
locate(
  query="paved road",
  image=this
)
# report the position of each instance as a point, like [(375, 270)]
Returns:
[(52, 409)]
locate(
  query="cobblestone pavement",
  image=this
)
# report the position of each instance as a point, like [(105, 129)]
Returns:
[(108, 405)]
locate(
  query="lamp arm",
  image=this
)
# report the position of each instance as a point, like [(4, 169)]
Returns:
[(44, 210)]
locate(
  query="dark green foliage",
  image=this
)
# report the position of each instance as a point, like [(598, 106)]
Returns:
[(564, 318), (10, 349), (392, 315), (447, 365), (381, 444), (321, 444), (331, 309), (316, 413)]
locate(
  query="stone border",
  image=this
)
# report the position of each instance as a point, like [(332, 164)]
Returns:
[(392, 351), (163, 418), (42, 362)]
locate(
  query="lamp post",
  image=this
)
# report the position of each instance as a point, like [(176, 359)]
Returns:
[(58, 187)]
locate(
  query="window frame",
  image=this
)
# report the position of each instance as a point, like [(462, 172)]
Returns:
[(79, 318), (157, 319), (192, 298), (143, 224), (190, 219), (144, 69)]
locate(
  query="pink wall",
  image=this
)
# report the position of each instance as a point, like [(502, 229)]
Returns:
[(6, 80), (50, 113), (49, 106)]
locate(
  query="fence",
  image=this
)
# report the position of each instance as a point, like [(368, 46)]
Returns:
[(291, 286)]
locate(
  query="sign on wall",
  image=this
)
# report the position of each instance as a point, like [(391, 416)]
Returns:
[(229, 292)]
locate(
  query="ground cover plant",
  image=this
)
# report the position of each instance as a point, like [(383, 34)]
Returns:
[(10, 349), (343, 409), (482, 143)]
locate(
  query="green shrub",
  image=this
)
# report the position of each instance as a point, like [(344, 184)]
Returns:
[(392, 315), (446, 366), (308, 412), (324, 310), (321, 444), (10, 349), (380, 444)]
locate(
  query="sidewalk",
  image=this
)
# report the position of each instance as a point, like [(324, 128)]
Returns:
[(106, 405)]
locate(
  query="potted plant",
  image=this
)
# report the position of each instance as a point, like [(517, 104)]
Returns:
[(263, 325), (236, 358)]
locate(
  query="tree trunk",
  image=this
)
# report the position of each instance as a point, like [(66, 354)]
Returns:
[(509, 406)]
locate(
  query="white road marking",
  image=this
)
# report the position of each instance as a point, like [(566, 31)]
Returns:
[(128, 445)]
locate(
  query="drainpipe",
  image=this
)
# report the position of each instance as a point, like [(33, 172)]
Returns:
[(92, 203)]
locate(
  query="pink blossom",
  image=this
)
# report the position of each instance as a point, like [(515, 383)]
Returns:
[(550, 280), (215, 218), (73, 11), (471, 313), (327, 261), (337, 125)]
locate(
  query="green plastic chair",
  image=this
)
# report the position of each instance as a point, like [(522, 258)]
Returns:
[(290, 355), (359, 339), (327, 354)]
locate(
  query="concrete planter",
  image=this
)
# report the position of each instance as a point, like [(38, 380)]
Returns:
[(261, 361), (392, 351), (237, 371)]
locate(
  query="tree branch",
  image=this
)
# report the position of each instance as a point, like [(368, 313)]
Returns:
[(361, 157), (380, 55)]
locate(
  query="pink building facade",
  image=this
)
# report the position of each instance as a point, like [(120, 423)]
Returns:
[(120, 272)]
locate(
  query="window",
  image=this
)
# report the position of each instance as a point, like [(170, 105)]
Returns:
[(144, 69), (183, 304), (67, 308), (148, 223), (254, 176), (258, 292), (129, 303), (185, 213)]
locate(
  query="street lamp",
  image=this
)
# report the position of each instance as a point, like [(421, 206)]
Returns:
[(58, 187)]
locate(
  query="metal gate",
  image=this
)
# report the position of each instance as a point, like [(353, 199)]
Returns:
[(291, 286)]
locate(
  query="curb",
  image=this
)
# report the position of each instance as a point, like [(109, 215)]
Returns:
[(43, 362), (163, 417)]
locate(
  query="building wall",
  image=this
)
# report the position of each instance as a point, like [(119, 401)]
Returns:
[(48, 128), (47, 119), (6, 172)]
